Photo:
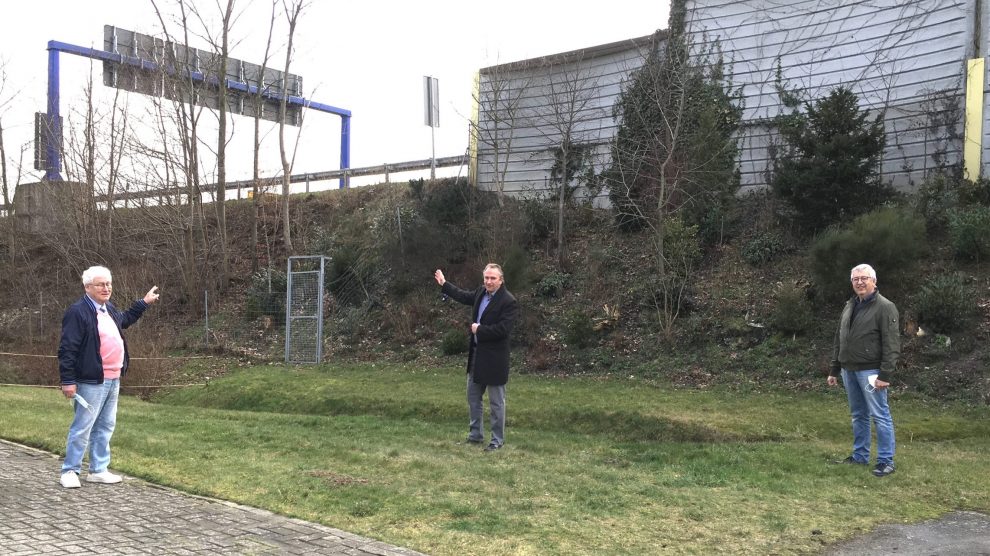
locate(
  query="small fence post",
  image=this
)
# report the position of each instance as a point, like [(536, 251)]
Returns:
[(206, 311)]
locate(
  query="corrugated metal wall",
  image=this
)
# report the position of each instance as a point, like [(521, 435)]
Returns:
[(984, 49), (526, 108), (905, 57)]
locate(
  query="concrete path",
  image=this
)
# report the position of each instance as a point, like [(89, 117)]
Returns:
[(954, 534), (38, 516)]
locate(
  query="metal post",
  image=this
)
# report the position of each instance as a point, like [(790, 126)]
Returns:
[(53, 131), (319, 312), (288, 311), (345, 148), (206, 311)]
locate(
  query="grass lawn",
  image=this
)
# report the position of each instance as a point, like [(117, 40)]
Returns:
[(590, 466)]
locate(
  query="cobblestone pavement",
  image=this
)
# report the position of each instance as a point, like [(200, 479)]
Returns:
[(38, 516)]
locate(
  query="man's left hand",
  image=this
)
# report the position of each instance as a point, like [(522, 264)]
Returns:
[(474, 327), (880, 385), (151, 296)]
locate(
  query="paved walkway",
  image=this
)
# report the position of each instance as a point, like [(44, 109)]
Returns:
[(954, 534), (38, 516)]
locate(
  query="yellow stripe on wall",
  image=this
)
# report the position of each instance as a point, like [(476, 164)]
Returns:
[(473, 137), (973, 142)]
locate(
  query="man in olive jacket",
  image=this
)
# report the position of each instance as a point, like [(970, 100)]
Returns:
[(866, 348), (493, 314)]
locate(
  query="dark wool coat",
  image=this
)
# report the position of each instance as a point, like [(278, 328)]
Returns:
[(490, 356)]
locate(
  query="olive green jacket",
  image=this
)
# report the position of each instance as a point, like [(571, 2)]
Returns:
[(872, 342)]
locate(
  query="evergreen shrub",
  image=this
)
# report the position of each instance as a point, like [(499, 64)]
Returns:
[(935, 198), (969, 230), (792, 313), (454, 342), (829, 169), (579, 329), (553, 284), (266, 297), (945, 304), (890, 240), (763, 249)]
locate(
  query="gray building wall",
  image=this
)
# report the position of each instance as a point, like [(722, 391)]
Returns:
[(905, 59), (525, 109)]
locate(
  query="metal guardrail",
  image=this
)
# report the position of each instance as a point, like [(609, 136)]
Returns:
[(345, 173)]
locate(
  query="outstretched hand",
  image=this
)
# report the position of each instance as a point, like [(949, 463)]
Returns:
[(151, 296), (438, 276)]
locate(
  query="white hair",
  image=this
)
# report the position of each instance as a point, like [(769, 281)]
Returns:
[(864, 268), (92, 272)]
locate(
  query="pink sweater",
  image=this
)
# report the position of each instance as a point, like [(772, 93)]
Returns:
[(111, 345)]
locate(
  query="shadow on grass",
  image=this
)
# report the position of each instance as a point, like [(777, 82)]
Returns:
[(620, 425)]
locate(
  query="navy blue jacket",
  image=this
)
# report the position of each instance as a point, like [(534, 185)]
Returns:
[(79, 350)]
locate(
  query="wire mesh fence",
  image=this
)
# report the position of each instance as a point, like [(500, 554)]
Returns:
[(304, 310)]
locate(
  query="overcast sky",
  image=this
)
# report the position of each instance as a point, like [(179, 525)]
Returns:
[(368, 57)]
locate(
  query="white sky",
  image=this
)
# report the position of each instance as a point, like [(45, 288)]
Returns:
[(366, 56)]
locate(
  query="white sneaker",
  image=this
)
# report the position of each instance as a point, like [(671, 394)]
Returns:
[(104, 477), (69, 479)]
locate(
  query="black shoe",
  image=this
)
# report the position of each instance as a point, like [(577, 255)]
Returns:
[(492, 447), (472, 441), (848, 461), (883, 469)]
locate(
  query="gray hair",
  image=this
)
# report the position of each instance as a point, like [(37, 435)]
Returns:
[(495, 267), (864, 268), (92, 272)]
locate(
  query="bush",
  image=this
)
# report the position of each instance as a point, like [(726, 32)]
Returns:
[(540, 218), (890, 240), (969, 230), (454, 342), (553, 284), (450, 203), (935, 198), (975, 193), (515, 268), (792, 313), (350, 273), (946, 304), (763, 249), (579, 329), (266, 295), (829, 173)]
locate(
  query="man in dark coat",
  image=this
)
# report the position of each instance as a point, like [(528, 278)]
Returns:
[(493, 314)]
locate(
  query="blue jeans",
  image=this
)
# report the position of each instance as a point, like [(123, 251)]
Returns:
[(865, 405), (92, 427)]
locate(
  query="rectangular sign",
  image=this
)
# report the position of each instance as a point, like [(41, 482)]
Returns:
[(431, 101), (166, 69)]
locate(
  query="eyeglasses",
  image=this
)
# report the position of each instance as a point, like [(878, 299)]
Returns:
[(102, 285), (861, 279)]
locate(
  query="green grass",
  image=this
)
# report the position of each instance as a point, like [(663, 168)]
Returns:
[(590, 466)]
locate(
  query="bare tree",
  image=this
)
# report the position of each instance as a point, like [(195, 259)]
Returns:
[(224, 56), (3, 170), (674, 156), (5, 98), (500, 94), (568, 121), (292, 11), (180, 89), (262, 87)]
